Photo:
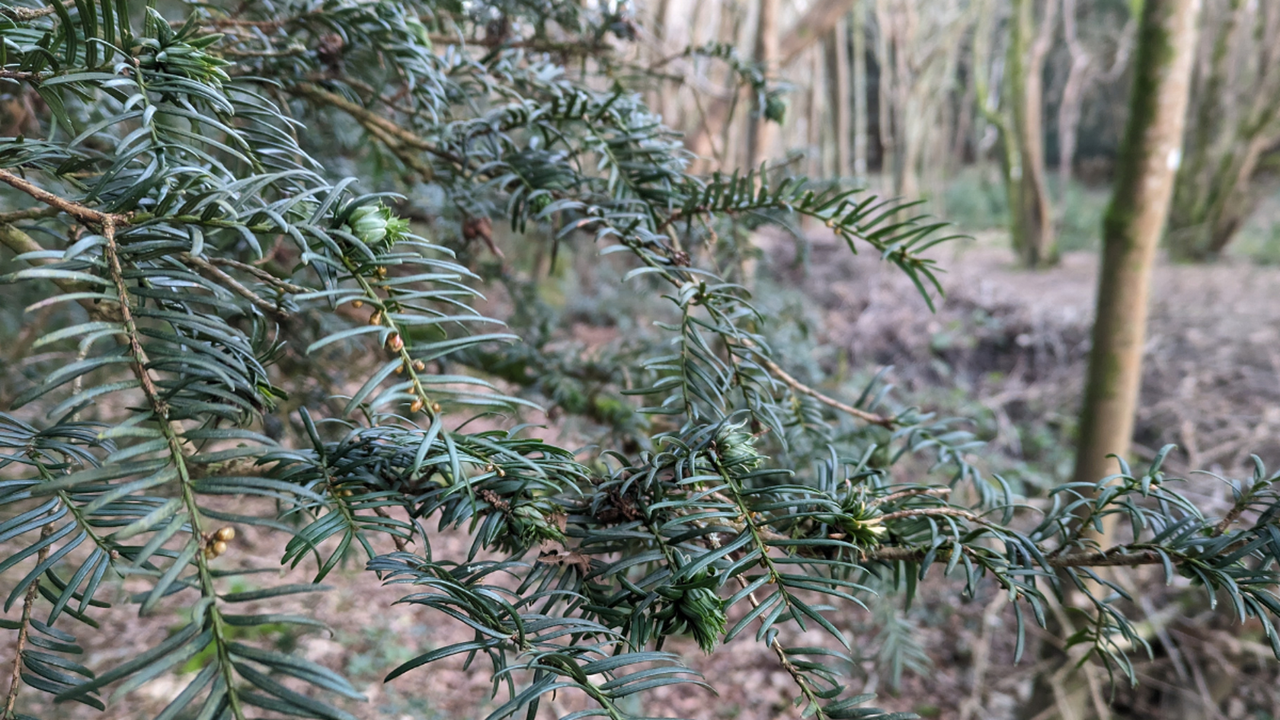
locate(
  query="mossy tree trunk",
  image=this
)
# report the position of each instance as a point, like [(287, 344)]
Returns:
[(1148, 159), (1149, 154)]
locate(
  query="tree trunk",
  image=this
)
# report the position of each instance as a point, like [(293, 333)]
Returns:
[(859, 33), (1072, 99), (840, 79), (817, 105), (1237, 120), (884, 87), (1131, 231), (986, 102), (1196, 184), (1031, 216), (767, 55)]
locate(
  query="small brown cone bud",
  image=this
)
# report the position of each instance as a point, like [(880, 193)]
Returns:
[(416, 406), (395, 343), (357, 304), (376, 318), (226, 534), (419, 365), (219, 548)]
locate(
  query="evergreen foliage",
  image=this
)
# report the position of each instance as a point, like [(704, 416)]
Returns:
[(209, 211)]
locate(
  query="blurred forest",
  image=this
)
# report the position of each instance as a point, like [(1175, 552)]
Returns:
[(973, 104)]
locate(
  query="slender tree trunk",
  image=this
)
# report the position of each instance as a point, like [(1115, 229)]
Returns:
[(1237, 121), (904, 178), (1032, 217), (817, 118), (1131, 230), (840, 78), (767, 55), (859, 33), (1196, 187), (986, 103), (884, 86), (664, 100), (1072, 99)]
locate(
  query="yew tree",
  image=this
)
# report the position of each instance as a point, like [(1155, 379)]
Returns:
[(247, 250)]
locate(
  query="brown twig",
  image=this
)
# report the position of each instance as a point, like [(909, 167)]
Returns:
[(803, 389), (140, 362), (15, 678), (931, 492), (933, 511), (21, 243), (1115, 557), (28, 214), (796, 675), (369, 118), (1233, 514), (235, 285), (262, 275), (23, 75), (80, 212), (21, 14)]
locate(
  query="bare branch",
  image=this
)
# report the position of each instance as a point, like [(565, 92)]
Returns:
[(21, 14), (235, 286), (803, 389), (80, 212)]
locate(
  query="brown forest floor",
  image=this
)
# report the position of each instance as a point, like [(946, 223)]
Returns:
[(1013, 340)]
